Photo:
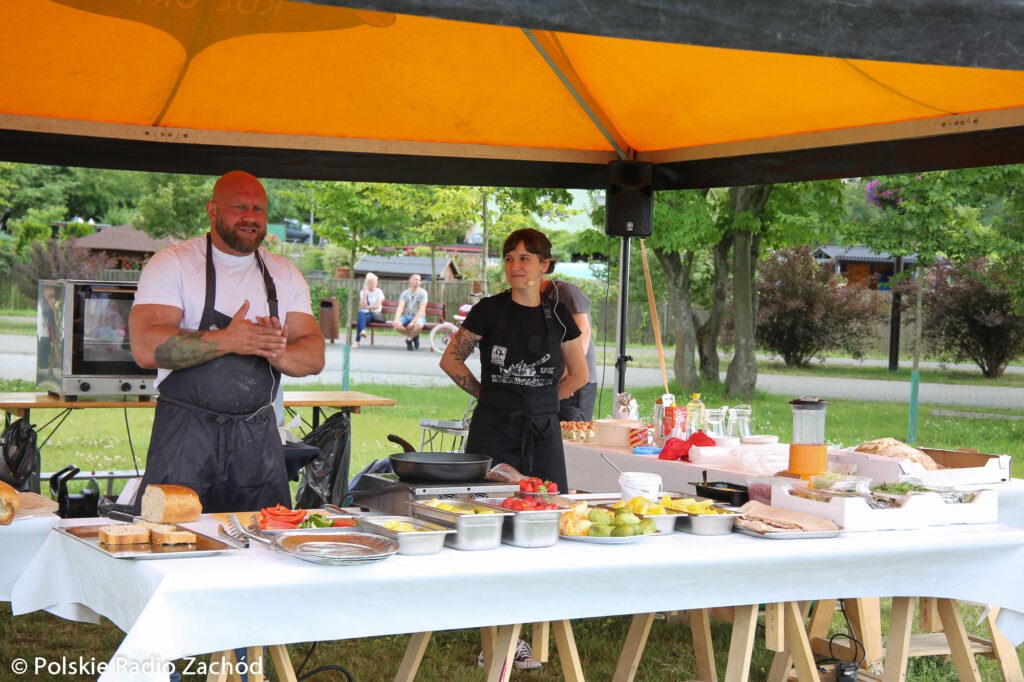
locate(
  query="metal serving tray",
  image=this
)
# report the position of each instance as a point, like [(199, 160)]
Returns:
[(472, 531), (790, 534), (429, 539), (254, 527), (89, 535), (528, 528)]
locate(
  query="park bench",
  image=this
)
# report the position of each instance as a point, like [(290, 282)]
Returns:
[(389, 308)]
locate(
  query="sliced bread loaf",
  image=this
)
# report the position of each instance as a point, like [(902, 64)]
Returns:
[(171, 535), (123, 534)]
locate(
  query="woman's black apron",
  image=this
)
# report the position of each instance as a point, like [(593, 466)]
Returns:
[(527, 437), (215, 429)]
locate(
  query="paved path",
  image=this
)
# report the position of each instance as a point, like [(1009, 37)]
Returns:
[(388, 362)]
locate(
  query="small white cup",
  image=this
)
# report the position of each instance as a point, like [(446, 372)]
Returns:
[(640, 484)]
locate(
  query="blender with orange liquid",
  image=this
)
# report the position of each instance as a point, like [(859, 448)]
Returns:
[(808, 454)]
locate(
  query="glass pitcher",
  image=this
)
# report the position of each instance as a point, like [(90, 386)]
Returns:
[(715, 421), (739, 421)]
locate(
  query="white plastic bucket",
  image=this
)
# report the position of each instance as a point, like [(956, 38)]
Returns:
[(640, 484)]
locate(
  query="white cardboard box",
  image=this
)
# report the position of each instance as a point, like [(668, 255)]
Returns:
[(961, 467), (927, 509)]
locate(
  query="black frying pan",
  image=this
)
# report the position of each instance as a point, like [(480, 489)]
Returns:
[(437, 467)]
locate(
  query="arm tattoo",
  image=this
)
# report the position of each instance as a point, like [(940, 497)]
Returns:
[(185, 349), (468, 383), (462, 345)]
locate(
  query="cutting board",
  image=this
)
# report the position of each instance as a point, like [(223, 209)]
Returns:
[(31, 504)]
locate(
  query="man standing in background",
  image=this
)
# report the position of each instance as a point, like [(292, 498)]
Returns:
[(579, 407), (411, 314)]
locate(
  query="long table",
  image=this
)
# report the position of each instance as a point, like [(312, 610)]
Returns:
[(176, 608)]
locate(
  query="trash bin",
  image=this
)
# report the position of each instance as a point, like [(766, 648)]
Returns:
[(329, 318)]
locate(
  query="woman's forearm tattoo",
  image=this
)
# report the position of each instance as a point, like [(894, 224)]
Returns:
[(185, 349)]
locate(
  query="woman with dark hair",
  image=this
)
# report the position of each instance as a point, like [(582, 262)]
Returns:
[(529, 360)]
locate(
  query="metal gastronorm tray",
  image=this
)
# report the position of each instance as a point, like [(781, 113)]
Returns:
[(89, 535)]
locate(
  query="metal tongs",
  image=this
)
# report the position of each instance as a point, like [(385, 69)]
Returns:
[(241, 534)]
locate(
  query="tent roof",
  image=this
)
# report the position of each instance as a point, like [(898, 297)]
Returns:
[(536, 94)]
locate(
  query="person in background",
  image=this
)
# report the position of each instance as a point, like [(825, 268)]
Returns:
[(579, 407), (411, 314), (222, 320), (530, 358), (371, 306)]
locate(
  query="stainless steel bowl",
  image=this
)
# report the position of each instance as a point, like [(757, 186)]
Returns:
[(472, 531), (428, 538), (528, 528), (707, 524)]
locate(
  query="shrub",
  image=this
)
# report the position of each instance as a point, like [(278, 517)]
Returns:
[(804, 310), (55, 259), (969, 315)]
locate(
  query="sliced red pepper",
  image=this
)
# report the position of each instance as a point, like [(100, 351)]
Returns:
[(344, 523), (270, 524)]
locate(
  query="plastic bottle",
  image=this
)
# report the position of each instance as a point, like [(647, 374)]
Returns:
[(694, 415)]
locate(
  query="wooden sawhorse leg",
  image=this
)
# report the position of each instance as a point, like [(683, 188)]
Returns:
[(797, 652), (636, 640), (223, 665)]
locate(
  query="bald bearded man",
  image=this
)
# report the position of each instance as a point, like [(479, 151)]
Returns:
[(222, 318)]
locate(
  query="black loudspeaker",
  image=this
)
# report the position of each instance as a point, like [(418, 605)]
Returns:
[(629, 204)]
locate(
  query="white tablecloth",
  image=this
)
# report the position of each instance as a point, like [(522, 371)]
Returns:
[(586, 470), (18, 544), (178, 607)]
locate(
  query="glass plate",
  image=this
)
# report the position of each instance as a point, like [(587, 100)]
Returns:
[(609, 540), (335, 548)]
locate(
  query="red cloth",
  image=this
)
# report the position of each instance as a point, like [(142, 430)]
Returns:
[(702, 439), (676, 448)]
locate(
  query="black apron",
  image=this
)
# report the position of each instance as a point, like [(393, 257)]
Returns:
[(215, 429), (527, 437)]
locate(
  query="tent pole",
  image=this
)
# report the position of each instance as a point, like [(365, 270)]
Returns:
[(620, 328)]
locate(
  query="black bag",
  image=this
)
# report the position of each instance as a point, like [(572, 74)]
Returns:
[(19, 456), (325, 478)]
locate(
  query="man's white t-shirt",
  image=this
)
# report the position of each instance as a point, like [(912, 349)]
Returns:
[(176, 276)]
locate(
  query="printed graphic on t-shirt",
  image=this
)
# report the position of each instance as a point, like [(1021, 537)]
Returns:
[(498, 355), (532, 374)]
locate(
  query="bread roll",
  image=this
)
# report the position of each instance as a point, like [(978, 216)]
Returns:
[(124, 534), (170, 535), (890, 447), (8, 503), (170, 504)]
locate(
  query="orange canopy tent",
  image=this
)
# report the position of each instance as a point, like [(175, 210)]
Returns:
[(713, 92)]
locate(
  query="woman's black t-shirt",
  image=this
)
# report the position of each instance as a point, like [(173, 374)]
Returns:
[(520, 352)]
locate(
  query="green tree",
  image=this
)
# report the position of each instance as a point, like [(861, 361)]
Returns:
[(435, 215), (34, 226), (349, 214), (174, 205)]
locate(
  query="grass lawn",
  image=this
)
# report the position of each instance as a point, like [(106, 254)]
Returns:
[(97, 439)]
